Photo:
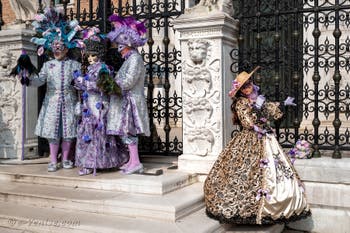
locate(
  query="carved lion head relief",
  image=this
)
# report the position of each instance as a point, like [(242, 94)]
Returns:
[(198, 50)]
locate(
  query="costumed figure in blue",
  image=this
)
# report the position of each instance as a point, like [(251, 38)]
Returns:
[(253, 181), (128, 114), (56, 121), (95, 149)]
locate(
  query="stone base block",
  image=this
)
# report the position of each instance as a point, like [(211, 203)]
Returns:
[(325, 220), (196, 164)]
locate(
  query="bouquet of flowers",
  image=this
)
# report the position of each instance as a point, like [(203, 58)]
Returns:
[(301, 150)]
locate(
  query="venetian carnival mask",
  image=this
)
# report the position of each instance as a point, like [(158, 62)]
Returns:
[(92, 58), (58, 46)]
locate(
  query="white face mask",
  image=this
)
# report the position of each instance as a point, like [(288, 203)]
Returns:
[(121, 47), (92, 58)]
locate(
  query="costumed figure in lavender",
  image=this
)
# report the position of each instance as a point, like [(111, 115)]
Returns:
[(253, 181), (128, 114), (95, 149), (56, 121)]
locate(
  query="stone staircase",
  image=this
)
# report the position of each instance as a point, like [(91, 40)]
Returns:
[(33, 200)]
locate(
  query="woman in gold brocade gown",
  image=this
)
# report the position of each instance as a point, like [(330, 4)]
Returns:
[(253, 181)]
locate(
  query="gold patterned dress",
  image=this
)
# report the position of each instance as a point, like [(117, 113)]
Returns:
[(253, 181)]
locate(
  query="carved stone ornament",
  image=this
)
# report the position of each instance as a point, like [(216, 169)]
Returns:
[(207, 6), (201, 99), (9, 100), (202, 141)]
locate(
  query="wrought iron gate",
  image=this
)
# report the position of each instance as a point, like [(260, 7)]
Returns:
[(161, 58), (303, 47)]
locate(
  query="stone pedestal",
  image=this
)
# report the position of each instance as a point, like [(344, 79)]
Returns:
[(12, 41), (206, 40)]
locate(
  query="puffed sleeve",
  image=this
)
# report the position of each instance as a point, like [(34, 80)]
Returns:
[(132, 74), (272, 110), (38, 80), (244, 113)]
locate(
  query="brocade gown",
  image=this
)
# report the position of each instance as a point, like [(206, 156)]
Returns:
[(253, 180), (94, 148)]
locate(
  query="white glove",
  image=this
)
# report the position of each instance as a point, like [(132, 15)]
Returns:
[(289, 101), (260, 100)]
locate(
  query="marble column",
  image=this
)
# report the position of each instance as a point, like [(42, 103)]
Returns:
[(207, 37), (12, 41)]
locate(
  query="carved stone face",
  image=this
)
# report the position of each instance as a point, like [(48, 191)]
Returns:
[(198, 51), (5, 59)]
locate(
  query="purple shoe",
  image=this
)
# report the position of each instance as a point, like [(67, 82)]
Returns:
[(136, 169), (85, 171)]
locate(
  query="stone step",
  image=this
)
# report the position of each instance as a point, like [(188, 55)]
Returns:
[(324, 220), (327, 181), (324, 170), (169, 181), (277, 228), (167, 207), (18, 218)]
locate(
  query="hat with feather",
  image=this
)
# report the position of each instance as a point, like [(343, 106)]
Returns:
[(93, 41), (55, 32), (127, 32)]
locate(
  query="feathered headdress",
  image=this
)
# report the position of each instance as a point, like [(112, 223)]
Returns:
[(93, 40), (52, 27), (127, 31)]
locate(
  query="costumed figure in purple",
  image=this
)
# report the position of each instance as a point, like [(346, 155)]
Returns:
[(128, 114), (95, 149), (253, 181), (56, 121)]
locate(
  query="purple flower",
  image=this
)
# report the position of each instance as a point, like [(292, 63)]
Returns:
[(99, 126), (86, 138), (76, 74), (292, 160), (264, 163), (86, 77), (99, 105), (85, 95), (263, 119), (52, 66), (263, 193), (86, 112), (292, 152)]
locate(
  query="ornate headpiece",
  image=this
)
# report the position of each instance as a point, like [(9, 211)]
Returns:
[(55, 32), (127, 31), (93, 41), (240, 80)]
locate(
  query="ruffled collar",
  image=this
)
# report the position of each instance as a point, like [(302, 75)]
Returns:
[(94, 67)]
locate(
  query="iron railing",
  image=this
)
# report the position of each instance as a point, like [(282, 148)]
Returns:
[(161, 58), (303, 47)]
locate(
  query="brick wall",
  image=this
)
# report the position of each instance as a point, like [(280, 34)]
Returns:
[(8, 16)]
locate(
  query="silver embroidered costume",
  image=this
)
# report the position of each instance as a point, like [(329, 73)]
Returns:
[(56, 118), (128, 115)]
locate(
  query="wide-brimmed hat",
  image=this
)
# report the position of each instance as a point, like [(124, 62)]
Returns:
[(240, 80)]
